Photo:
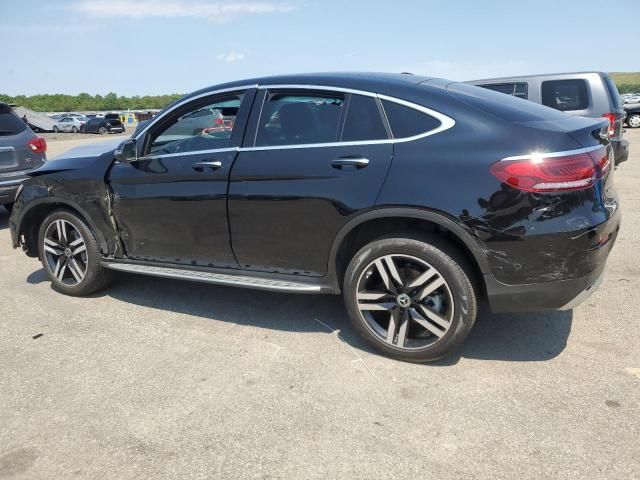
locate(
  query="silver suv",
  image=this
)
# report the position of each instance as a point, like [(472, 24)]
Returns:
[(21, 150), (585, 94)]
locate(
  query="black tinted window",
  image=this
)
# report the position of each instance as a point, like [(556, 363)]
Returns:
[(11, 124), (565, 94), (301, 118), (408, 122), (363, 120), (516, 89)]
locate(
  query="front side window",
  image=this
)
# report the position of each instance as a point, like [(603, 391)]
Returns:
[(299, 118), (565, 95), (408, 122), (363, 121), (206, 126)]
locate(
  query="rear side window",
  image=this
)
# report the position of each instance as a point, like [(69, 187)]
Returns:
[(11, 124), (565, 95), (518, 89), (408, 122), (363, 121), (300, 118)]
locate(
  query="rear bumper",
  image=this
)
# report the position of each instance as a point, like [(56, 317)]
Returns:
[(620, 151), (558, 295), (576, 276)]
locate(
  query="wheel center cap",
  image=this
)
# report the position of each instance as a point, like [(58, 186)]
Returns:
[(67, 252), (403, 300)]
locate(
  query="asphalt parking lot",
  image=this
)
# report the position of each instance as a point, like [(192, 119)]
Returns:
[(157, 378)]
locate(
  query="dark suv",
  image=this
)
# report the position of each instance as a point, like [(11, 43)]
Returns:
[(413, 197), (109, 124), (20, 151)]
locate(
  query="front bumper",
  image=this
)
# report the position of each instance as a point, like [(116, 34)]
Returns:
[(8, 190)]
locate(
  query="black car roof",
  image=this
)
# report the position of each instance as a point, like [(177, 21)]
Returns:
[(373, 81)]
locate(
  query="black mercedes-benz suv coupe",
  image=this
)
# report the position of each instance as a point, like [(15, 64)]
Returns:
[(414, 197)]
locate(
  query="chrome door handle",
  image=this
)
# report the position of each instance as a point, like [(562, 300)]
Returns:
[(202, 166), (350, 162)]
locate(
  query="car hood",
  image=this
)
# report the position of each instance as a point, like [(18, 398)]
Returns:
[(91, 150), (96, 155)]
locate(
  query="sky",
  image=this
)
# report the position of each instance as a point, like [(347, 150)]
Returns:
[(149, 47)]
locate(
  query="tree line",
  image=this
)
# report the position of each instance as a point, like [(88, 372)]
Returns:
[(85, 102)]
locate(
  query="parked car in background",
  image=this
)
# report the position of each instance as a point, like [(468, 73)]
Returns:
[(69, 124), (633, 116), (110, 123), (631, 100), (379, 187), (585, 94), (21, 150)]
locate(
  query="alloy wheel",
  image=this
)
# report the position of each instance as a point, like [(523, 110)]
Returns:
[(405, 301), (66, 252)]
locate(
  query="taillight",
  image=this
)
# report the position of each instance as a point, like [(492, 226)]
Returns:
[(553, 172), (614, 124), (37, 145)]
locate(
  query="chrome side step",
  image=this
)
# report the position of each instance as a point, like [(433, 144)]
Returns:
[(218, 278)]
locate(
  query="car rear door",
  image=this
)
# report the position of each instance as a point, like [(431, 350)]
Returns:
[(311, 160), (171, 203)]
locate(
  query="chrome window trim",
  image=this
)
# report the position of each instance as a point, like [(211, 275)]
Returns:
[(190, 99), (445, 122), (564, 153)]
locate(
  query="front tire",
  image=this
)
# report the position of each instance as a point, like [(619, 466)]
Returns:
[(74, 129), (56, 129), (70, 255), (633, 120), (102, 130), (412, 299)]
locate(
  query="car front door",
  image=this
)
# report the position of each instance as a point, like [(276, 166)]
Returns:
[(310, 161), (170, 204)]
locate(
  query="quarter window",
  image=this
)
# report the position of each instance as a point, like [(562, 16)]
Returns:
[(565, 94), (408, 122), (363, 121), (206, 126), (299, 118)]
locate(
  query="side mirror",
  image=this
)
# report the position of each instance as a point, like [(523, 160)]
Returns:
[(127, 151)]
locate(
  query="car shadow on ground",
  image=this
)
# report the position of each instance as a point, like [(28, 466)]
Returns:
[(4, 218), (519, 337)]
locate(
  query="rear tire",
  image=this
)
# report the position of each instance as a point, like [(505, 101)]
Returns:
[(432, 305), (102, 130), (633, 120), (74, 129), (56, 129), (70, 255)]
